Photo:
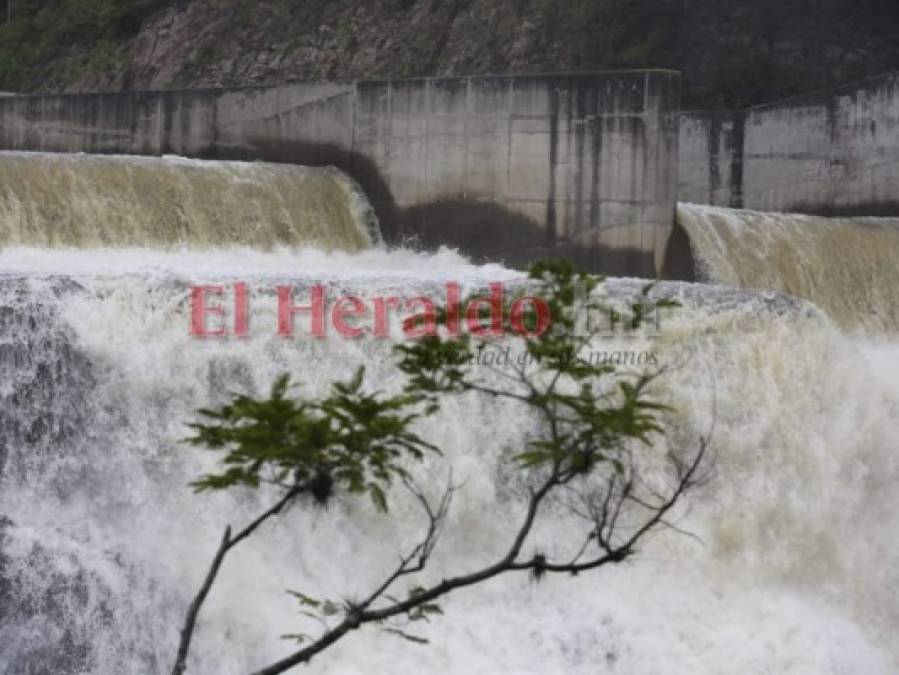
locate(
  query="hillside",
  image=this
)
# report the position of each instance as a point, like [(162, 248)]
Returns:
[(732, 52)]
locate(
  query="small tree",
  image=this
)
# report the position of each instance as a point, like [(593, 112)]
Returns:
[(593, 417)]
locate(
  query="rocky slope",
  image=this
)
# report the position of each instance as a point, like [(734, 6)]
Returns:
[(733, 52)]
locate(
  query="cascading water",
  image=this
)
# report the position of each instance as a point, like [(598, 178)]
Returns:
[(90, 201), (102, 543), (847, 266)]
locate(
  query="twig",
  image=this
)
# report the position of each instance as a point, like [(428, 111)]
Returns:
[(226, 545)]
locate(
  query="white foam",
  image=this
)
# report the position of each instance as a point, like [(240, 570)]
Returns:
[(796, 572)]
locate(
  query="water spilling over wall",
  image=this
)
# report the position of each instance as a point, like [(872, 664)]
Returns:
[(847, 266), (102, 543), (91, 201), (498, 165)]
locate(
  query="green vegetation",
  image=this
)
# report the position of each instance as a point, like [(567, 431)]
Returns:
[(746, 78), (44, 29), (600, 446), (733, 53)]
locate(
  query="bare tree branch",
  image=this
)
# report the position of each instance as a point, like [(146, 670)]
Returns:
[(228, 542), (360, 615)]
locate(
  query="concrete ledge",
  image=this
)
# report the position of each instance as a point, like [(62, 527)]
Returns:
[(831, 152), (551, 159)]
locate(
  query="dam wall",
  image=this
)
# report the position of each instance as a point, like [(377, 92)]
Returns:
[(831, 153), (503, 167)]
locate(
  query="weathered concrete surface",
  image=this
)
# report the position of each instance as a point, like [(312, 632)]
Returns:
[(511, 167), (831, 153), (710, 167)]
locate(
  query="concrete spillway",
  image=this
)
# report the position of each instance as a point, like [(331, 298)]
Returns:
[(847, 266), (90, 201)]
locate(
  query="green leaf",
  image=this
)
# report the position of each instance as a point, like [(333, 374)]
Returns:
[(305, 599), (378, 497), (407, 636)]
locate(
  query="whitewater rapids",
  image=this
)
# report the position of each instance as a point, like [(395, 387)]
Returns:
[(104, 545)]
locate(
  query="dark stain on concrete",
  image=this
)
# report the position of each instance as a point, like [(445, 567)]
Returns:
[(736, 142), (713, 138), (551, 226)]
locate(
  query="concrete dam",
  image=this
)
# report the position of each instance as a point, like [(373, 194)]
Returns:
[(589, 166), (511, 168), (101, 540)]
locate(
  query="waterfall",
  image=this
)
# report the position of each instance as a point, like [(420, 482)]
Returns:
[(103, 542), (793, 566), (91, 201), (847, 266)]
